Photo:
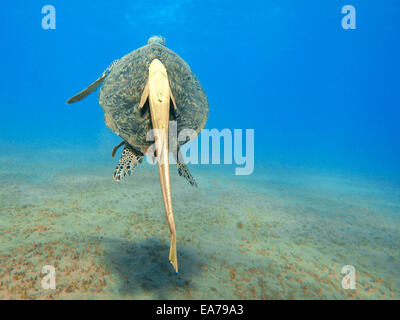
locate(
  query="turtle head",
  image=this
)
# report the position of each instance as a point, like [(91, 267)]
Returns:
[(157, 39)]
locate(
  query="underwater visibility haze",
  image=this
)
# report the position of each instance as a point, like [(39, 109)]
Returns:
[(315, 83)]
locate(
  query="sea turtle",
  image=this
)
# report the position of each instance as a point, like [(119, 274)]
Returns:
[(136, 93)]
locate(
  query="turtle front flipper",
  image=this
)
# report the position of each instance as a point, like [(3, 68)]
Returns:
[(83, 94), (184, 172), (129, 160)]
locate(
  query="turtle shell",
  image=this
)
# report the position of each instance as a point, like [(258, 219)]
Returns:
[(123, 87)]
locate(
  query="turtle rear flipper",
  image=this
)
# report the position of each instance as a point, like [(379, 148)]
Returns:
[(83, 94), (129, 160), (184, 172)]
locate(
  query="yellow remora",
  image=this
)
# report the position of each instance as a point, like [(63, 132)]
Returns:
[(159, 94)]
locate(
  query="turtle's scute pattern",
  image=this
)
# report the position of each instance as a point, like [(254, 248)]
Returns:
[(123, 87)]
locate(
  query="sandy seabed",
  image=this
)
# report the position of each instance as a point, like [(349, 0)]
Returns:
[(277, 234)]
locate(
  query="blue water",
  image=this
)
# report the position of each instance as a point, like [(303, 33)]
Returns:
[(316, 95), (320, 98)]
